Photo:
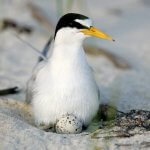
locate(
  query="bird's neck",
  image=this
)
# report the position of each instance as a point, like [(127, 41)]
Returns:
[(71, 51)]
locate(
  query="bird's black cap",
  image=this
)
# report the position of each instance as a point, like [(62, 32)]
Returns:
[(68, 20)]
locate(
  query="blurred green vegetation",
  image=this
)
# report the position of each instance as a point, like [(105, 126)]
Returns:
[(64, 6)]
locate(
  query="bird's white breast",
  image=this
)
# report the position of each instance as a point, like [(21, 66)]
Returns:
[(65, 85)]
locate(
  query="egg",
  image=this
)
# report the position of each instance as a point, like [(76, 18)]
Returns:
[(68, 124)]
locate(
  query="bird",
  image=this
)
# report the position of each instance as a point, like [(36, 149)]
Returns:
[(64, 83)]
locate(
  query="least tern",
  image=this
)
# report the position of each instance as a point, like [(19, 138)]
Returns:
[(64, 84)]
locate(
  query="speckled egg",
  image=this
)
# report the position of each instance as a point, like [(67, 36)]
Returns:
[(69, 124)]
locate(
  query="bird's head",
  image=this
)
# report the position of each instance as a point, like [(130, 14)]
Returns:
[(76, 27)]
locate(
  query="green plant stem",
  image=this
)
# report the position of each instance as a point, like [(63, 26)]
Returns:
[(69, 4), (59, 7)]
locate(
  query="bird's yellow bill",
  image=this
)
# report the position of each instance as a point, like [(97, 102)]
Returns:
[(96, 33)]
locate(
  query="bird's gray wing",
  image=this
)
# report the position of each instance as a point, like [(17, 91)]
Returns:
[(46, 52), (31, 81), (46, 49)]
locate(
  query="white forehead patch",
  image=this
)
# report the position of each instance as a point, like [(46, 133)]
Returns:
[(85, 22)]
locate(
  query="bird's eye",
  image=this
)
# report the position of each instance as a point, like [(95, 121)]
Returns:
[(71, 23)]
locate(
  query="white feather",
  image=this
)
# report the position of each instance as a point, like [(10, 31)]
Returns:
[(65, 84), (85, 22)]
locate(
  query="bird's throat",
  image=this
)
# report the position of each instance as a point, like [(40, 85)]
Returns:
[(72, 51)]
